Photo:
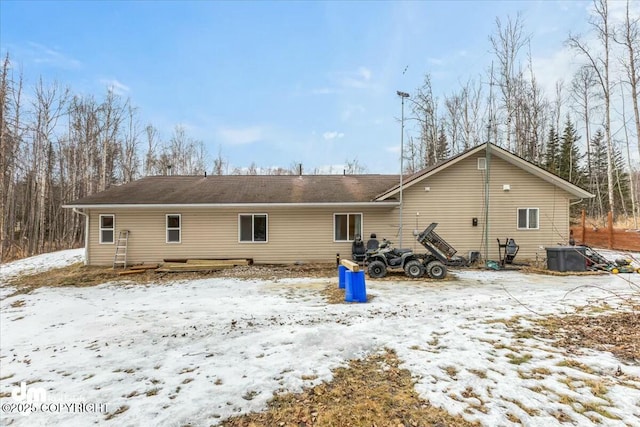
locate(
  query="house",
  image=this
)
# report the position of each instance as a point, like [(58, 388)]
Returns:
[(311, 218)]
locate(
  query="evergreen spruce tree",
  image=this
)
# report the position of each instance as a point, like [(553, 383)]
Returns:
[(442, 148), (552, 155), (569, 155), (599, 206), (598, 179)]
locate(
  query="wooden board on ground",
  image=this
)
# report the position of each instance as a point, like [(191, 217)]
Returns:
[(143, 267), (232, 262), (249, 261), (187, 270), (174, 267), (124, 272)]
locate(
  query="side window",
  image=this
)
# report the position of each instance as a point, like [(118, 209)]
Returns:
[(107, 228), (253, 228), (174, 227), (346, 227), (528, 218)]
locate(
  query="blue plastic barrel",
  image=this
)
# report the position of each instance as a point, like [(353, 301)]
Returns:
[(355, 290), (348, 288), (341, 273), (358, 287)]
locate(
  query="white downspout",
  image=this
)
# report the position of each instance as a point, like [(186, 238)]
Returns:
[(86, 235)]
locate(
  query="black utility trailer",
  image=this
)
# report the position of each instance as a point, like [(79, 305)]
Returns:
[(441, 254)]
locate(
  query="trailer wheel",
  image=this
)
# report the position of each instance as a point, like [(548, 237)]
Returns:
[(377, 269), (414, 269), (436, 270)]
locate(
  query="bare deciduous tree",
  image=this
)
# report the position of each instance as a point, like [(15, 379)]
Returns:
[(600, 65), (353, 167), (506, 44), (129, 161), (628, 36), (425, 110)]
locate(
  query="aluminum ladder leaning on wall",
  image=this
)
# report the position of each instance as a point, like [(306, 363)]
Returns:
[(120, 256)]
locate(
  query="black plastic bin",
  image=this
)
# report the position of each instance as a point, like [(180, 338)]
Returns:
[(566, 258)]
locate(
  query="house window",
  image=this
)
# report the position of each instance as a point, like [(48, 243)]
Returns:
[(174, 224), (346, 227), (482, 163), (252, 228), (107, 228), (528, 218)]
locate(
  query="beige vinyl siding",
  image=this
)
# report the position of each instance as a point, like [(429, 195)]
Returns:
[(295, 234), (456, 196)]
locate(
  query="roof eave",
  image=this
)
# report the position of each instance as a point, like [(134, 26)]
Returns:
[(374, 204)]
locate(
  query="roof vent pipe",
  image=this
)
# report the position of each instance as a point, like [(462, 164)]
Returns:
[(300, 169)]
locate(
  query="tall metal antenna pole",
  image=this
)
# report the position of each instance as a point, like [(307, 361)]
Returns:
[(488, 171), (402, 96), (487, 193)]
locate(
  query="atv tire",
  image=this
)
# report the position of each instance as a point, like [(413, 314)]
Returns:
[(436, 270), (377, 269), (414, 269)]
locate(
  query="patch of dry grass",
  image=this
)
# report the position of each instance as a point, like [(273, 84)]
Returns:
[(479, 373), (77, 275), (517, 359), (532, 412), (574, 364), (80, 275), (369, 392), (335, 295), (615, 331), (599, 388), (544, 270), (120, 410)]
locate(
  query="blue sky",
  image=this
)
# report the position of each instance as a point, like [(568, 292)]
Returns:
[(277, 82)]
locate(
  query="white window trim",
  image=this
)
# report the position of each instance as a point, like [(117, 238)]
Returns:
[(482, 163), (112, 229), (527, 228), (167, 228), (333, 231), (252, 241)]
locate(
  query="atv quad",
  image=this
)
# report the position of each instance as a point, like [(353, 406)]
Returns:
[(386, 257)]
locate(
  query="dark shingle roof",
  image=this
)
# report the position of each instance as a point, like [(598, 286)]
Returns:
[(244, 189)]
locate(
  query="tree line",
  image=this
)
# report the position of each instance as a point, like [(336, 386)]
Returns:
[(56, 146), (512, 111)]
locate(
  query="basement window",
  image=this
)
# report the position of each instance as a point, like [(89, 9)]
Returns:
[(252, 228), (346, 227), (107, 228), (528, 218), (174, 225)]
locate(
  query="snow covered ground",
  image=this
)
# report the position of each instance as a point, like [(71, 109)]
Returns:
[(37, 264), (196, 352)]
